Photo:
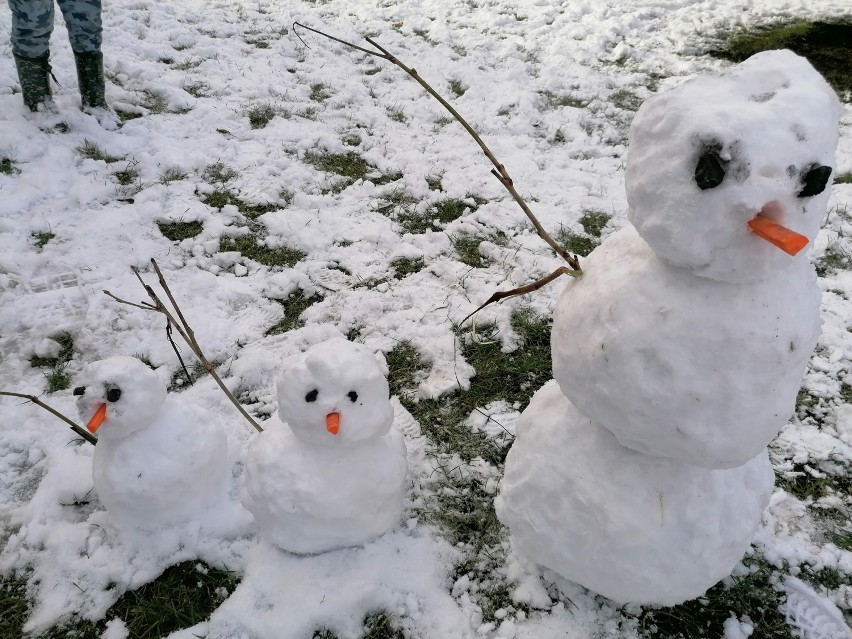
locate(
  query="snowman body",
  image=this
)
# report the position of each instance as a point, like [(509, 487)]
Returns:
[(629, 526), (157, 462), (678, 354), (309, 498), (679, 365), (333, 475)]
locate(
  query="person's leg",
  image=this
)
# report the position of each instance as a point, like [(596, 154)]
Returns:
[(83, 19), (32, 24)]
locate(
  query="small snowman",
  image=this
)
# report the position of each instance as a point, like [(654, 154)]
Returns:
[(334, 475), (641, 472), (157, 462)]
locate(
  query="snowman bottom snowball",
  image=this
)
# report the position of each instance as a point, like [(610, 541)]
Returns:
[(632, 527)]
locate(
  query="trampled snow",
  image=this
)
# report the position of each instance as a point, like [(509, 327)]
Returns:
[(522, 68)]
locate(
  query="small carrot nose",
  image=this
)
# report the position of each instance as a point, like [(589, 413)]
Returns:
[(332, 423), (97, 419), (788, 241)]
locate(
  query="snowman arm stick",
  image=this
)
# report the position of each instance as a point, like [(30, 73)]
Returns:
[(35, 400), (189, 337), (499, 169), (523, 290)]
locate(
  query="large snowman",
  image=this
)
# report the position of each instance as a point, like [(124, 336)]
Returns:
[(158, 462), (641, 472), (333, 475)]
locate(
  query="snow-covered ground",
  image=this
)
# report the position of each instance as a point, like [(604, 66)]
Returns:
[(550, 86)]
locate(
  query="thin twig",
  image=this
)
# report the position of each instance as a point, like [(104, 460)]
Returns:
[(185, 331), (499, 170), (177, 351), (523, 290), (35, 400)]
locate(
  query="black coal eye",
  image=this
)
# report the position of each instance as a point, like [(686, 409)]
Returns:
[(79, 390), (312, 396), (113, 394), (709, 171), (352, 395), (814, 180)]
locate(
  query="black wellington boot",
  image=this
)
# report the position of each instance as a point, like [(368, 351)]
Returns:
[(90, 77), (34, 76)]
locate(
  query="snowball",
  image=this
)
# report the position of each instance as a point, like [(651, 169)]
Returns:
[(681, 366), (632, 527), (765, 123)]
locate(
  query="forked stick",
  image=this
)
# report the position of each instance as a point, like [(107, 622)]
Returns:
[(35, 400), (523, 290), (499, 171), (183, 329)]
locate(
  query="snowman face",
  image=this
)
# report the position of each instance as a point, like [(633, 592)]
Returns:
[(119, 396), (708, 157), (335, 394)]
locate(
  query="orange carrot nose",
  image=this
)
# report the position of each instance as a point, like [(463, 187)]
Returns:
[(97, 419), (332, 423), (788, 241)]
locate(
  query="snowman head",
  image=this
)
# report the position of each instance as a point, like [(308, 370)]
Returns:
[(335, 393), (719, 156), (119, 396)]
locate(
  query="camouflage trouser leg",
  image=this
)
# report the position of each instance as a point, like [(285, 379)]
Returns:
[(32, 23), (83, 19)]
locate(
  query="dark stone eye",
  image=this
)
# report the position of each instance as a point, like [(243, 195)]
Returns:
[(312, 396), (814, 180), (352, 395), (113, 394), (79, 390), (709, 171)]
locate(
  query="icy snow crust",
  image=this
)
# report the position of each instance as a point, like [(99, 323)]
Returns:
[(632, 527), (770, 119), (679, 365), (517, 62)]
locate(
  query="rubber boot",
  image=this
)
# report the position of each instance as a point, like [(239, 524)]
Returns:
[(90, 77), (34, 76)]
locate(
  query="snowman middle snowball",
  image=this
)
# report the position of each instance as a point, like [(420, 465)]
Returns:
[(334, 475)]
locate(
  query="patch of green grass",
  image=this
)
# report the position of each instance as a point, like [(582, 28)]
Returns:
[(41, 238), (404, 267), (254, 248), (751, 595), (841, 178), (172, 174), (188, 63), (434, 182), (198, 89), (178, 230), (467, 249), (91, 151), (593, 222), (626, 100), (218, 173), (377, 625), (127, 176), (833, 260), (554, 100), (180, 381), (319, 92), (440, 214), (258, 43), (57, 378), (126, 116), (14, 610), (396, 114), (826, 44), (513, 377), (810, 484), (155, 102), (184, 595), (582, 245), (350, 166), (8, 166), (846, 393), (222, 197), (294, 305), (457, 87), (260, 115)]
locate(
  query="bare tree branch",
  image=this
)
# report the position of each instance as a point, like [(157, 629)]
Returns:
[(499, 170), (523, 290), (82, 432), (185, 331)]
